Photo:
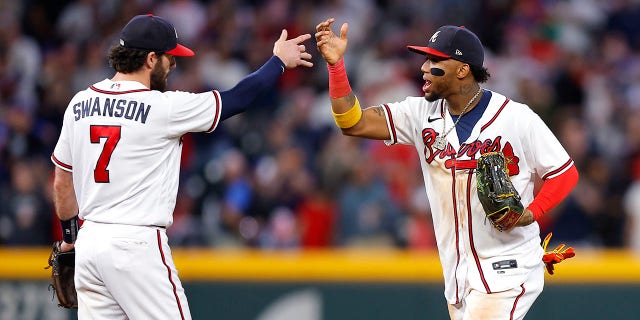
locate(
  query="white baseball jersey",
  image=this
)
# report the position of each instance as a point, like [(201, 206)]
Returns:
[(474, 255), (122, 142)]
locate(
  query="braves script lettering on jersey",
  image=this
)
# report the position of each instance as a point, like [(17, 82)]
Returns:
[(136, 143), (469, 251)]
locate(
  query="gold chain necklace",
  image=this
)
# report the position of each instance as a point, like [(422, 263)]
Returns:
[(441, 140)]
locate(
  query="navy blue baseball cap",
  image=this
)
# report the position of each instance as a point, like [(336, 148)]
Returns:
[(452, 42), (153, 33)]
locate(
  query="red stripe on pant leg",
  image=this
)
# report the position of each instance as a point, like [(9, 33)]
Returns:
[(455, 218), (471, 243), (515, 303), (175, 290)]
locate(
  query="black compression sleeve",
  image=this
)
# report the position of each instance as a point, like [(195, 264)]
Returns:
[(239, 98)]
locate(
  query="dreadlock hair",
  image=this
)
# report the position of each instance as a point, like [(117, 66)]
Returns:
[(481, 74)]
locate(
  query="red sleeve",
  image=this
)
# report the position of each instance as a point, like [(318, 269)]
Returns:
[(553, 191)]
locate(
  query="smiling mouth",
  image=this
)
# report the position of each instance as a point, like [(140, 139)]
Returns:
[(426, 85)]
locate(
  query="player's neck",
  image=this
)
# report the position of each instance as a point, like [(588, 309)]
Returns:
[(139, 76), (457, 103)]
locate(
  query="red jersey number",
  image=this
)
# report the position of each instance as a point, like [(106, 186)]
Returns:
[(112, 133)]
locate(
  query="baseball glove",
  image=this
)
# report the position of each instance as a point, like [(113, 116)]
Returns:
[(561, 252), (62, 266), (500, 200)]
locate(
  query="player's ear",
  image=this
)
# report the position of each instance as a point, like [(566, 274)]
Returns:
[(463, 70), (152, 59)]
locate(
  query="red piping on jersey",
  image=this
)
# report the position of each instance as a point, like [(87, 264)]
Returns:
[(117, 92), (515, 303), (455, 216), (495, 115), (215, 119), (393, 127), (175, 293), (473, 247), (60, 163), (565, 165)]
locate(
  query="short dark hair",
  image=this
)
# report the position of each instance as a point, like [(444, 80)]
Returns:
[(127, 60), (481, 74)]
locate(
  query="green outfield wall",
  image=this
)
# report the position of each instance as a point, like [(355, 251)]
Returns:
[(336, 285)]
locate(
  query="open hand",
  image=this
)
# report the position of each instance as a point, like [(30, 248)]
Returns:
[(331, 46), (292, 52)]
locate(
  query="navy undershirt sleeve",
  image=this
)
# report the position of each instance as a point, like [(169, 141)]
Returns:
[(238, 99), (469, 120)]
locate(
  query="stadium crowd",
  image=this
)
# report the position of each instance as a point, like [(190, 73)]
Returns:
[(281, 175)]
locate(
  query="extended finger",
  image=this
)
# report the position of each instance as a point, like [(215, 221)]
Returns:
[(302, 48), (301, 38), (283, 35), (305, 63), (305, 55), (324, 24), (343, 30)]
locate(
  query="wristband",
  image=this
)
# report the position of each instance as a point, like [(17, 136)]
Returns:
[(70, 229), (338, 81), (350, 118)]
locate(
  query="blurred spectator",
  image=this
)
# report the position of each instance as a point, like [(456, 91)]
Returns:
[(25, 213), (366, 213), (317, 219), (632, 209), (20, 62), (281, 232)]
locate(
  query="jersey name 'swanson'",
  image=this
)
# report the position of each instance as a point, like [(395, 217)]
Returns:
[(118, 108)]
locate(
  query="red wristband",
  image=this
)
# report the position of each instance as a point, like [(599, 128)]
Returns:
[(338, 81)]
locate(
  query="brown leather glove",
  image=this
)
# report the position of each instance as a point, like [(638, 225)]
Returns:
[(62, 266)]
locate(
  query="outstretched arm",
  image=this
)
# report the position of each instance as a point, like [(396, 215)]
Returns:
[(351, 119), (287, 54)]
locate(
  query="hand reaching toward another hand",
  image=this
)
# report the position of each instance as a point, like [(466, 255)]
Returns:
[(331, 46), (292, 52)]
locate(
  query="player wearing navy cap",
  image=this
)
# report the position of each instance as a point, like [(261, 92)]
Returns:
[(117, 167), (488, 274)]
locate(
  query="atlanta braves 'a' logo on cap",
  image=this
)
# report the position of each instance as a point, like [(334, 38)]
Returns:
[(451, 42), (434, 36)]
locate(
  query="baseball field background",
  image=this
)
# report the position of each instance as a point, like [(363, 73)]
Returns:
[(335, 285)]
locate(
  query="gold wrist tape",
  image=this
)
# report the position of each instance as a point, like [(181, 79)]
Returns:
[(350, 118)]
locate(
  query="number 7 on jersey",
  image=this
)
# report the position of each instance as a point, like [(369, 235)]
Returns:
[(112, 133)]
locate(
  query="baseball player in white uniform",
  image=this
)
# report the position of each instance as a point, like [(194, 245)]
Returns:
[(488, 274), (117, 166)]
